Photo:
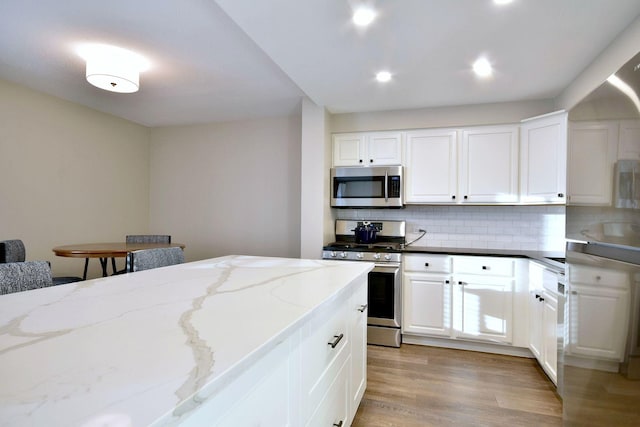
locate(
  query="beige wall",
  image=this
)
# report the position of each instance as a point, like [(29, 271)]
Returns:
[(228, 188), (70, 175)]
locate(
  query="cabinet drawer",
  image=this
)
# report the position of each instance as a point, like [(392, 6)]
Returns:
[(597, 276), (334, 406), (320, 359), (487, 266), (427, 263)]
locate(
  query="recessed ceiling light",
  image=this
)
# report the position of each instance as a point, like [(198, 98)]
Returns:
[(482, 67), (383, 76), (363, 16), (501, 2)]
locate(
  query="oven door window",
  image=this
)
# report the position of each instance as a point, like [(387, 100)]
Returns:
[(381, 295), (364, 187)]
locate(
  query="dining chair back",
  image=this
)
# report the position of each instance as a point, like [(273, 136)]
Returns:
[(147, 259), (148, 238), (12, 251), (24, 276)]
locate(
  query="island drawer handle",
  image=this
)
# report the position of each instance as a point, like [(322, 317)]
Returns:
[(337, 425), (363, 308), (335, 342)]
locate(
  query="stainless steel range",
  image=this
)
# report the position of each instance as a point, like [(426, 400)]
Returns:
[(385, 280)]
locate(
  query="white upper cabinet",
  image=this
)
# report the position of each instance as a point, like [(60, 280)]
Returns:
[(629, 143), (367, 149), (431, 173), (592, 152), (489, 165), (543, 159)]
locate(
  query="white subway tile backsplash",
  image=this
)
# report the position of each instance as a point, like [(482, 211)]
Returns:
[(485, 227)]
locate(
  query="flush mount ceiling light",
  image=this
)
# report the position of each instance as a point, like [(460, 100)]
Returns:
[(383, 76), (482, 67), (113, 68), (363, 16)]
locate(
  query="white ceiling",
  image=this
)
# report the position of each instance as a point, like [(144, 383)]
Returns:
[(234, 59)]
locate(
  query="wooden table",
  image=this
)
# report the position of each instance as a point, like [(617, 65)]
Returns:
[(103, 251)]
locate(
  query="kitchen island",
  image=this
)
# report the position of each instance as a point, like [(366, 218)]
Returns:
[(227, 341)]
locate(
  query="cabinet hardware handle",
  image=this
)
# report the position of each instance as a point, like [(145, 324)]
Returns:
[(541, 299), (363, 308), (465, 197), (426, 264), (360, 160), (537, 296), (560, 195), (338, 425), (370, 160), (460, 283), (446, 282), (335, 342), (453, 197), (484, 267), (598, 277)]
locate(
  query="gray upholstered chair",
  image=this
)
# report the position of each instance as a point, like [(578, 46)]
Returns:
[(148, 238), (153, 258), (14, 251), (24, 276)]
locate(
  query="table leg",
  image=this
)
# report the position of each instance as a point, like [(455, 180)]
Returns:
[(86, 265), (103, 264)]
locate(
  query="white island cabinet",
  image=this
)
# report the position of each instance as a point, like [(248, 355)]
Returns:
[(231, 341)]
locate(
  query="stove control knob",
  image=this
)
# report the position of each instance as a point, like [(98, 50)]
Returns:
[(333, 254), (376, 256), (343, 254), (387, 257), (360, 255)]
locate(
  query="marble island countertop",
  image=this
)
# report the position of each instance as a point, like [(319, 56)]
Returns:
[(145, 348)]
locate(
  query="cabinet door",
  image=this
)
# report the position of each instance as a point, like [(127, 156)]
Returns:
[(348, 149), (597, 322), (536, 327), (489, 166), (384, 148), (431, 166), (629, 142), (591, 156), (550, 336), (427, 304), (483, 308), (333, 409), (358, 327), (543, 159)]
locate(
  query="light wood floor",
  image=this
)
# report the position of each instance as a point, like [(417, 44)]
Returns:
[(429, 386)]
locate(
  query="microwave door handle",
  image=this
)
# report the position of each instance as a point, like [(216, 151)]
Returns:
[(386, 186)]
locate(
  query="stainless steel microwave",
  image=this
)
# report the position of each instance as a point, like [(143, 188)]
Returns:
[(367, 187)]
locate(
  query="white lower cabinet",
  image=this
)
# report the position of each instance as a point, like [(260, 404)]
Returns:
[(469, 297), (543, 320), (315, 377), (483, 308)]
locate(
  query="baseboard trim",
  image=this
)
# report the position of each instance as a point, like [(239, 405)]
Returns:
[(468, 345)]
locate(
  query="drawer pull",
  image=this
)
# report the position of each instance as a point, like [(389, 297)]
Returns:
[(426, 264), (338, 425), (363, 308), (446, 282), (337, 339), (484, 267)]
